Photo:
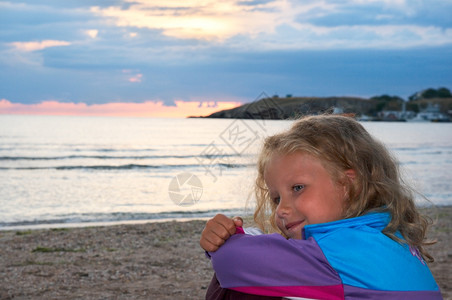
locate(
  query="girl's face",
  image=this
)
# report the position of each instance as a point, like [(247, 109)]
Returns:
[(303, 191)]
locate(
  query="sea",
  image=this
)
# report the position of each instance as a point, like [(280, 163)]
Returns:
[(66, 171)]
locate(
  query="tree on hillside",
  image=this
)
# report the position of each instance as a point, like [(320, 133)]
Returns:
[(430, 93), (412, 106), (444, 93), (386, 102)]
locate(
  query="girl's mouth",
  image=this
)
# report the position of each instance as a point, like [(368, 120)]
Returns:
[(293, 225)]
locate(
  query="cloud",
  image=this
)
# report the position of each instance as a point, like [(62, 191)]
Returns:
[(92, 33), (282, 24), (136, 78), (133, 75), (362, 37), (34, 46), (375, 13), (145, 109), (212, 20), (75, 51), (38, 21)]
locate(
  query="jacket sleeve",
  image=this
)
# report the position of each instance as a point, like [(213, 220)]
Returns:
[(270, 265), (216, 292)]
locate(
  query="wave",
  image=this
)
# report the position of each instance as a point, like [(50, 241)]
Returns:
[(80, 148), (109, 157), (427, 149), (87, 218), (128, 167)]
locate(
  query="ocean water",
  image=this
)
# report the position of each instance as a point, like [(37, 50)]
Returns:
[(67, 171)]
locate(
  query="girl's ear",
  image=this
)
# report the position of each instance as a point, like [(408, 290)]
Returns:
[(351, 174), (348, 181)]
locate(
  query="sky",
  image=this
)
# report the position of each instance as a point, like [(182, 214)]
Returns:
[(174, 58)]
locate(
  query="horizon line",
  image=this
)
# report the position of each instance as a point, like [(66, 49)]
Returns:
[(181, 109)]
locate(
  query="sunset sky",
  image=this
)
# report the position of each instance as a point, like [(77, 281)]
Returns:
[(173, 58)]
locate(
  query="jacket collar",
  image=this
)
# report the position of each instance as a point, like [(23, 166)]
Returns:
[(376, 220)]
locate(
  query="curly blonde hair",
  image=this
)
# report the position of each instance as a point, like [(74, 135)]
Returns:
[(341, 143)]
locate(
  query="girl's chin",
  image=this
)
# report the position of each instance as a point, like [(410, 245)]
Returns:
[(291, 235), (295, 236)]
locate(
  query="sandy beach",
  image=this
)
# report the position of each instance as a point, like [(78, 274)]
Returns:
[(142, 261)]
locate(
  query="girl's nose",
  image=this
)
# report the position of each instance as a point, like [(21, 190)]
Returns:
[(283, 207)]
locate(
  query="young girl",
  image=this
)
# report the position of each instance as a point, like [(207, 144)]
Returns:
[(348, 227)]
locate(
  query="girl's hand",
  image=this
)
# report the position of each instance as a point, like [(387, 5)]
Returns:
[(217, 231)]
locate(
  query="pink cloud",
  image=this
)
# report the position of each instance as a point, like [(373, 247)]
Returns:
[(33, 46), (144, 109), (136, 78)]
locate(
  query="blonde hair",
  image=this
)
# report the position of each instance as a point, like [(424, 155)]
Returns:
[(341, 143)]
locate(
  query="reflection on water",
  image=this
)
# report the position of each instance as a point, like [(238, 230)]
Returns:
[(88, 169)]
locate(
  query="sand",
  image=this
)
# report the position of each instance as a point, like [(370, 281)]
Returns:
[(142, 261)]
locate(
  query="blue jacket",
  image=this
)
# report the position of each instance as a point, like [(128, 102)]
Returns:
[(345, 259)]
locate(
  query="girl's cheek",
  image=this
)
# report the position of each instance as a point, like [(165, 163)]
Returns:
[(279, 223)]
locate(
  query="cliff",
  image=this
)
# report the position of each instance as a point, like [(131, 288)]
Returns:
[(276, 108), (286, 108)]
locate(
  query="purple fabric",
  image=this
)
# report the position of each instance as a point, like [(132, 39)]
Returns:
[(216, 292), (286, 262)]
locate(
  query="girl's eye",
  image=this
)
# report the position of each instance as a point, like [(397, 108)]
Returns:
[(298, 187), (276, 200)]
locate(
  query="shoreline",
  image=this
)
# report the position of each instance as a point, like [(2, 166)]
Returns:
[(50, 226), (152, 260), (87, 224)]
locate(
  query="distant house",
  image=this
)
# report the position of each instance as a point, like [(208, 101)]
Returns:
[(338, 110), (431, 114), (392, 115)]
